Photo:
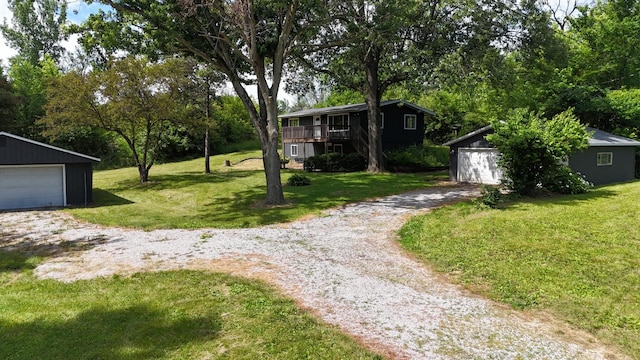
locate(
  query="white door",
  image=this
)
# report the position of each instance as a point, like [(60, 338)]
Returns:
[(31, 186), (479, 166), (317, 128)]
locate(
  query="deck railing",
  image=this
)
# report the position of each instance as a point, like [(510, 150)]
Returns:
[(316, 132)]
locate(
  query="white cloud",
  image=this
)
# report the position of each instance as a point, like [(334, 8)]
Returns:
[(5, 51)]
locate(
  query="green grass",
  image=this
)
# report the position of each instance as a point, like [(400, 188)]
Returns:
[(577, 257), (180, 195), (166, 315)]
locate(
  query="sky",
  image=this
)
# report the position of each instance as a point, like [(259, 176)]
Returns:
[(77, 11)]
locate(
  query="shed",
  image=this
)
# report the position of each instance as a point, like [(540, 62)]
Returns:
[(608, 159), (35, 175)]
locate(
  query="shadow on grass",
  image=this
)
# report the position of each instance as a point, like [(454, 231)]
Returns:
[(559, 199), (138, 332), (106, 198), (186, 179)]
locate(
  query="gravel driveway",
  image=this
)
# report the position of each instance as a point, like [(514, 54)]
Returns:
[(345, 266)]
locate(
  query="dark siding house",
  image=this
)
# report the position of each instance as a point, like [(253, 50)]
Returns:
[(608, 159), (344, 129), (34, 174)]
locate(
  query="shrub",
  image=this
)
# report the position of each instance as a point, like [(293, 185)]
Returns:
[(298, 180), (563, 180), (533, 148), (335, 162), (417, 158), (490, 196)]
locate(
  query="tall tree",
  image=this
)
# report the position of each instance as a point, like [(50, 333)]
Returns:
[(8, 103), (372, 45), (135, 99), (37, 28), (247, 40)]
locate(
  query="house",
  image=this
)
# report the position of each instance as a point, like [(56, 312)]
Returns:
[(34, 175), (608, 159), (344, 129)]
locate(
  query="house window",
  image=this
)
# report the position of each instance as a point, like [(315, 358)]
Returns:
[(381, 120), (294, 150), (410, 121), (294, 122), (334, 148), (604, 159), (339, 122)]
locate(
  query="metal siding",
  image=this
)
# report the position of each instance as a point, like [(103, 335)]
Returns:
[(79, 184), (622, 169), (18, 152), (475, 142), (394, 135)]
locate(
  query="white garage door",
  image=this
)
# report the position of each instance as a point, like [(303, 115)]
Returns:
[(479, 166), (30, 187)]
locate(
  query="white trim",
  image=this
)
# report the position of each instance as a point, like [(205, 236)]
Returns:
[(609, 153), (294, 146), (336, 115), (415, 124), (297, 119), (49, 146)]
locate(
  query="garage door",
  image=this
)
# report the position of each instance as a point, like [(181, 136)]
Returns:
[(479, 166), (30, 187)]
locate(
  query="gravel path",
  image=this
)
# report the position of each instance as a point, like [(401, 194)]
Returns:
[(345, 266)]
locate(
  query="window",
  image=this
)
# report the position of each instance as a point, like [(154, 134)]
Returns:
[(294, 122), (604, 159), (294, 150), (339, 122), (410, 121), (334, 148), (381, 120)]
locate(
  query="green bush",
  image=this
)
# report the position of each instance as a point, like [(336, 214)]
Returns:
[(490, 196), (563, 180), (417, 158), (335, 162), (298, 180)]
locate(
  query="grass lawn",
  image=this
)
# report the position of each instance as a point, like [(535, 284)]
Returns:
[(577, 257), (180, 195), (167, 315)]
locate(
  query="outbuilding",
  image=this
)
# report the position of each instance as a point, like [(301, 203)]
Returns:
[(608, 159), (36, 175)]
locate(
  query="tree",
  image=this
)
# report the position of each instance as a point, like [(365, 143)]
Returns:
[(37, 28), (133, 98), (8, 104), (30, 86), (533, 149), (248, 41)]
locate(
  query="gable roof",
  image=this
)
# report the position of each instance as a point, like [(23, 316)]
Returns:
[(55, 148), (598, 138), (352, 108), (603, 138)]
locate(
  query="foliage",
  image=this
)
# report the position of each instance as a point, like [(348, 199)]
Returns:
[(572, 256), (532, 149), (132, 98), (490, 196), (563, 180), (160, 315), (30, 87), (417, 158), (181, 196), (8, 103), (335, 162), (37, 29), (298, 180)]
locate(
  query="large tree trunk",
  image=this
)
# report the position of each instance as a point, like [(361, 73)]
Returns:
[(207, 165), (144, 173), (372, 98), (271, 158)]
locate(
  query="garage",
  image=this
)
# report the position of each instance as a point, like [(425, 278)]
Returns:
[(31, 187), (38, 175), (479, 166)]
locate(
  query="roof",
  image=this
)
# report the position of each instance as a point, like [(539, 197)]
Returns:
[(598, 138), (49, 146), (468, 135), (352, 108), (603, 138)]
